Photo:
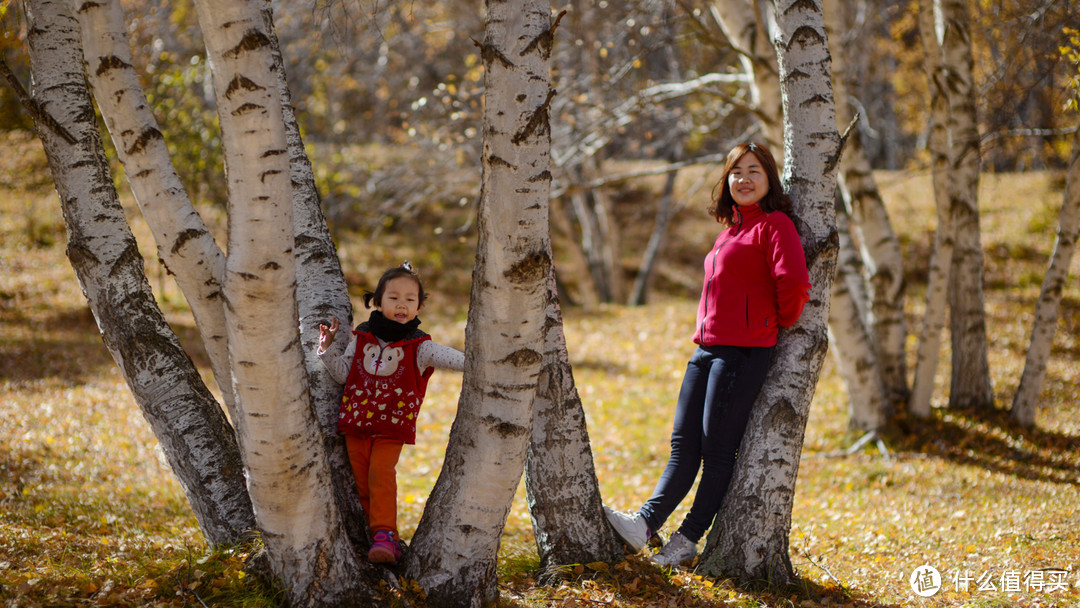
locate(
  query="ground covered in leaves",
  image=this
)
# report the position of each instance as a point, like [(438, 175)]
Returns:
[(91, 516)]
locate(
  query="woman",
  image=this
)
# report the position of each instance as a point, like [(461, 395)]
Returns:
[(755, 282)]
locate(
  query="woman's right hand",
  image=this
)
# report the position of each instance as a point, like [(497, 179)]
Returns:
[(326, 334)]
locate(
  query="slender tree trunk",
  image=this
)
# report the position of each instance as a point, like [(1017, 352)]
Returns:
[(321, 295), (879, 246), (190, 426), (184, 244), (664, 213), (560, 477), (749, 539), (853, 348), (455, 548), (941, 259), (288, 474), (967, 326), (1046, 311), (747, 24)]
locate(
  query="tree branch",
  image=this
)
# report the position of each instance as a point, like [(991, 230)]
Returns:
[(36, 112)]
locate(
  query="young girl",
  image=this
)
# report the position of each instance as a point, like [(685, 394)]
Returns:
[(756, 281), (385, 370)]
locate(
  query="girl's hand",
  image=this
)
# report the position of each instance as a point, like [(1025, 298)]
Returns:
[(326, 334)]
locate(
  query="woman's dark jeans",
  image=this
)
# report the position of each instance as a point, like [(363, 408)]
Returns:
[(718, 391)]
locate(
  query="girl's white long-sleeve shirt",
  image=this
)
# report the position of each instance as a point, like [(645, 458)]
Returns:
[(428, 355)]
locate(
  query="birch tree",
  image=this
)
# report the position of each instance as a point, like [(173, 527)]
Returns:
[(879, 247), (970, 386), (940, 259), (184, 244), (193, 432), (453, 554), (288, 475), (749, 539), (560, 476), (1049, 303)]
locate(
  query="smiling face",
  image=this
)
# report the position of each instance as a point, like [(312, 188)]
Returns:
[(747, 181), (400, 300)]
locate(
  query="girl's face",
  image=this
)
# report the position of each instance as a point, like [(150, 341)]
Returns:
[(747, 181), (400, 300)]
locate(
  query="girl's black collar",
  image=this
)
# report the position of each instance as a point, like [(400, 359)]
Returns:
[(389, 330)]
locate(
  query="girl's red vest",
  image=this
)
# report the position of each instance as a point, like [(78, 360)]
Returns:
[(384, 389)]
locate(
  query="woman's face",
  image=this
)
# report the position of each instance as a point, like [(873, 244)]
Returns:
[(747, 181)]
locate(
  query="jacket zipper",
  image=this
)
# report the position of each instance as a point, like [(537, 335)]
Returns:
[(708, 280)]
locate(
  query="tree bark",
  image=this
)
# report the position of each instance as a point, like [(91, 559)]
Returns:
[(665, 211), (749, 539), (970, 385), (190, 426), (288, 474), (184, 244), (1046, 311), (321, 295), (560, 477), (878, 244), (853, 348), (455, 548)]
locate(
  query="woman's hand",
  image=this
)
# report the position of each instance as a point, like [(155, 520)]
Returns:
[(326, 334)]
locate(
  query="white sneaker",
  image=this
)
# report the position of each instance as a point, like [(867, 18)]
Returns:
[(677, 551), (629, 527)]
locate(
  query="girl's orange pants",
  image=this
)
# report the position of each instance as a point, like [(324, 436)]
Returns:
[(374, 462)]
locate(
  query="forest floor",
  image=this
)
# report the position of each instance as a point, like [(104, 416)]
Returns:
[(91, 516)]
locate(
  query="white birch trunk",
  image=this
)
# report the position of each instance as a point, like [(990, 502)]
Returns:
[(454, 552), (560, 476), (747, 25), (853, 348), (190, 426), (321, 295), (184, 244), (879, 247), (929, 348), (749, 539), (288, 475), (970, 385), (1046, 311)]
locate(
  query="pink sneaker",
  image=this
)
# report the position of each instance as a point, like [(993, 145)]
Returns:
[(385, 549)]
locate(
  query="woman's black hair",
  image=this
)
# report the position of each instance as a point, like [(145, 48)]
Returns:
[(775, 199), (405, 270)]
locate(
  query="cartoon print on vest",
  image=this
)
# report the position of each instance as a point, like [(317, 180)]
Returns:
[(383, 365)]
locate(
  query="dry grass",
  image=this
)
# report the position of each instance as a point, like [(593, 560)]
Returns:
[(89, 515)]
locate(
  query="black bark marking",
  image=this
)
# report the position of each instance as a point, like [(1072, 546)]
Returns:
[(545, 41), (529, 269), (270, 153), (241, 83), (246, 108), (522, 357), (252, 40), (143, 140), (85, 6), (184, 237), (805, 36), (270, 266), (266, 174), (538, 121), (112, 62), (491, 54), (494, 160), (543, 176), (503, 428)]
